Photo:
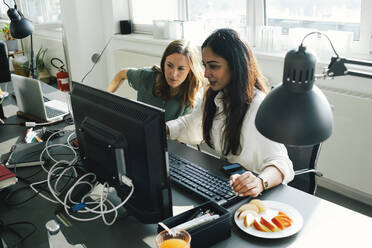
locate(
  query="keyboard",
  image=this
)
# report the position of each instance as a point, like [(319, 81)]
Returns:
[(51, 112), (201, 182)]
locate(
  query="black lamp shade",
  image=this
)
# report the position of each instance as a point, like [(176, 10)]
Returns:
[(20, 27), (296, 112), (295, 119)]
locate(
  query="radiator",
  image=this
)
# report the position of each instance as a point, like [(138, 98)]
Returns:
[(346, 157)]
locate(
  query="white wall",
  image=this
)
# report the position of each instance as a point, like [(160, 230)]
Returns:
[(88, 25)]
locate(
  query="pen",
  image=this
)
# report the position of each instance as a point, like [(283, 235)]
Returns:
[(38, 139), (196, 214)]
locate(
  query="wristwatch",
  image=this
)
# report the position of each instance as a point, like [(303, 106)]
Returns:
[(265, 183)]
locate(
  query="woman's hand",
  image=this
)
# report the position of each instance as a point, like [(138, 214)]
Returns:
[(115, 83), (246, 184)]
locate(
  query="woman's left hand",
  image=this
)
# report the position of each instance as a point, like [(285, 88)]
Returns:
[(246, 184)]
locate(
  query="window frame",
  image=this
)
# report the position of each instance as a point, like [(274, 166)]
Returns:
[(255, 13), (361, 49), (147, 28), (22, 6)]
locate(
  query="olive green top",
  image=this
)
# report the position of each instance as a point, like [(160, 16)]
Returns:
[(143, 80)]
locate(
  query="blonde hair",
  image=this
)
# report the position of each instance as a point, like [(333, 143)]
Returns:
[(194, 80)]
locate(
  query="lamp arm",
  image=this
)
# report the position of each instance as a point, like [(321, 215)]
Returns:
[(32, 67), (337, 67)]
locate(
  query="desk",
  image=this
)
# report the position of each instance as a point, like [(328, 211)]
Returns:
[(325, 224), (9, 135)]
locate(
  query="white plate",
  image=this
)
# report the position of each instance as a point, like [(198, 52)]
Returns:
[(273, 207)]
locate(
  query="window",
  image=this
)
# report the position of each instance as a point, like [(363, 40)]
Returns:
[(216, 14), (270, 25), (3, 10), (338, 15), (143, 12), (42, 11), (344, 21)]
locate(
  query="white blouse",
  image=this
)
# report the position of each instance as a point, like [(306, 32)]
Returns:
[(257, 152)]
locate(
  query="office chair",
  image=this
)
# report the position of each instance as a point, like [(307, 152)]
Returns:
[(304, 161)]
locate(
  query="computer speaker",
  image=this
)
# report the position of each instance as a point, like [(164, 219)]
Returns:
[(125, 27)]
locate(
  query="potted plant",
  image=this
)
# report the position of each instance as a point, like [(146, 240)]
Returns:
[(40, 68), (11, 43), (21, 65)]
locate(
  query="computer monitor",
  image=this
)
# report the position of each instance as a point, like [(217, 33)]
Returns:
[(118, 136)]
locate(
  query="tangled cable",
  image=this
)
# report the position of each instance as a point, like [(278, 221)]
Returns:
[(99, 206)]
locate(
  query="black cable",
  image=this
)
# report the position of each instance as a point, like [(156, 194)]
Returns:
[(10, 195), (7, 228), (13, 124), (6, 4), (7, 199), (34, 174), (330, 42), (98, 57)]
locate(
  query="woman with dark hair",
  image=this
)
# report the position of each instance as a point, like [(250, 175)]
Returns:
[(225, 120), (174, 86)]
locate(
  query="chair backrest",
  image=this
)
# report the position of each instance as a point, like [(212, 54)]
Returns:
[(304, 158)]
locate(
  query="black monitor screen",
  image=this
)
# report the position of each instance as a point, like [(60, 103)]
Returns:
[(117, 137)]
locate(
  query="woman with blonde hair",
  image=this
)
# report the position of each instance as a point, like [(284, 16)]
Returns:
[(174, 86)]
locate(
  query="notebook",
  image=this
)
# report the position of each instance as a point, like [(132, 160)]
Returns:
[(22, 155), (7, 177), (30, 100)]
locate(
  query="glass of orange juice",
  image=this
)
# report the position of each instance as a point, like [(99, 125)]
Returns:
[(180, 239)]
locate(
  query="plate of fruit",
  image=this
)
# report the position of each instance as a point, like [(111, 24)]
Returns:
[(268, 219)]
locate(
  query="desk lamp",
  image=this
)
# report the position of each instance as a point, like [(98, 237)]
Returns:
[(21, 27), (297, 112)]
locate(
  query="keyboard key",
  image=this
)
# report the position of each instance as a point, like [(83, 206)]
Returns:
[(201, 182)]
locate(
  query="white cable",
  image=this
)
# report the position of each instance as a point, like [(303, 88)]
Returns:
[(34, 124), (39, 193), (47, 146), (61, 176), (100, 207), (68, 141), (103, 207)]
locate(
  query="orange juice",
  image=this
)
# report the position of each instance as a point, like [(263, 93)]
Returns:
[(174, 243)]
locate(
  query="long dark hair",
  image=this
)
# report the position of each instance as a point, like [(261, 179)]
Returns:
[(194, 79), (238, 94)]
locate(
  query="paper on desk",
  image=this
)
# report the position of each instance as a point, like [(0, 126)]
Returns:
[(180, 209)]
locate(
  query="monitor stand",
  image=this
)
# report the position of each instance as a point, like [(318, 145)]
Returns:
[(116, 200), (112, 196)]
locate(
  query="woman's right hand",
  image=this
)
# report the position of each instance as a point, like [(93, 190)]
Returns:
[(246, 184), (115, 83)]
